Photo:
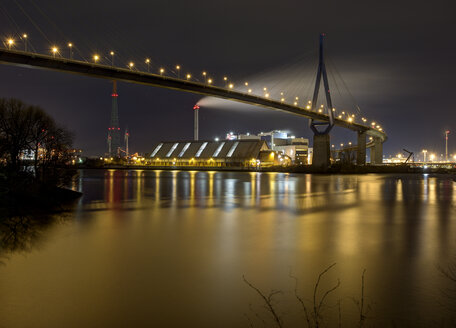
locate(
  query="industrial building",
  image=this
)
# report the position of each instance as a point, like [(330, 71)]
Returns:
[(297, 149), (223, 153)]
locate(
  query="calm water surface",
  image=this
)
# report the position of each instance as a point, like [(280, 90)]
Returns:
[(169, 249)]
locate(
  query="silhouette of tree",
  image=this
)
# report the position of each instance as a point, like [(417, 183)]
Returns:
[(29, 130)]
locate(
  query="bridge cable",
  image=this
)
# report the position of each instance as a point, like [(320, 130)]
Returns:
[(56, 28), (358, 109), (32, 21), (16, 27)]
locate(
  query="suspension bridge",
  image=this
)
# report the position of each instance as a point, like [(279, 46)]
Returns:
[(321, 120)]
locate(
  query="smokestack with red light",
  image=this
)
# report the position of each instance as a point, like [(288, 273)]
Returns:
[(195, 122)]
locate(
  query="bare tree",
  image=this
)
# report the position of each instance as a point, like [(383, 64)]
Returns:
[(29, 130), (15, 127)]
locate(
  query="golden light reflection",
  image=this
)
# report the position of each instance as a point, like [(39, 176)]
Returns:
[(399, 190), (110, 186), (211, 175), (432, 191), (126, 180), (253, 179), (157, 186), (192, 188), (174, 186), (139, 185)]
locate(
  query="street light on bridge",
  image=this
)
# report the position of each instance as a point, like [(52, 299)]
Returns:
[(162, 70), (148, 65), (96, 58), (112, 57), (70, 50), (424, 151), (189, 76), (25, 36), (205, 77), (178, 71), (54, 51), (131, 65), (10, 43)]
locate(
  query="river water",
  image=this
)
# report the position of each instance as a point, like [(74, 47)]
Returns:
[(170, 249)]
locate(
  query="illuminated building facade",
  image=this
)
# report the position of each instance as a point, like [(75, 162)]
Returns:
[(223, 153)]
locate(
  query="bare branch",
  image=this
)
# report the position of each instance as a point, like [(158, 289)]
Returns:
[(267, 300), (249, 320), (300, 300), (316, 307), (362, 316)]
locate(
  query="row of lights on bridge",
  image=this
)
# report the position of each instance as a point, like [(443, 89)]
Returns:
[(208, 80)]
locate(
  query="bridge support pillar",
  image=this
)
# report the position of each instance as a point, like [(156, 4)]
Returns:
[(361, 152), (321, 151), (377, 151)]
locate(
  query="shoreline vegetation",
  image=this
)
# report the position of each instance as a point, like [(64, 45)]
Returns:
[(35, 153), (32, 192)]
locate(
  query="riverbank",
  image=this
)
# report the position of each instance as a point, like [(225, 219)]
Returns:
[(22, 196)]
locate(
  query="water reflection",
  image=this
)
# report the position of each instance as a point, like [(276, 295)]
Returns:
[(147, 234), (23, 233), (277, 191)]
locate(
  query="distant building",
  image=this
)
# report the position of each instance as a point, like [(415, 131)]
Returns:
[(223, 153), (297, 149)]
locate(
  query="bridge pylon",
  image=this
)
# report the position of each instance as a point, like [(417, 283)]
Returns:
[(321, 140), (361, 149), (376, 155)]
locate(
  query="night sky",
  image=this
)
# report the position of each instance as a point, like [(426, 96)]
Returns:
[(397, 58)]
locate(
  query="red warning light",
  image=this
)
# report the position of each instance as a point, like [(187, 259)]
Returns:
[(196, 107), (114, 95)]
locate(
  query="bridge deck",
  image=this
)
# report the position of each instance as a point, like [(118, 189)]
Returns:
[(26, 59)]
